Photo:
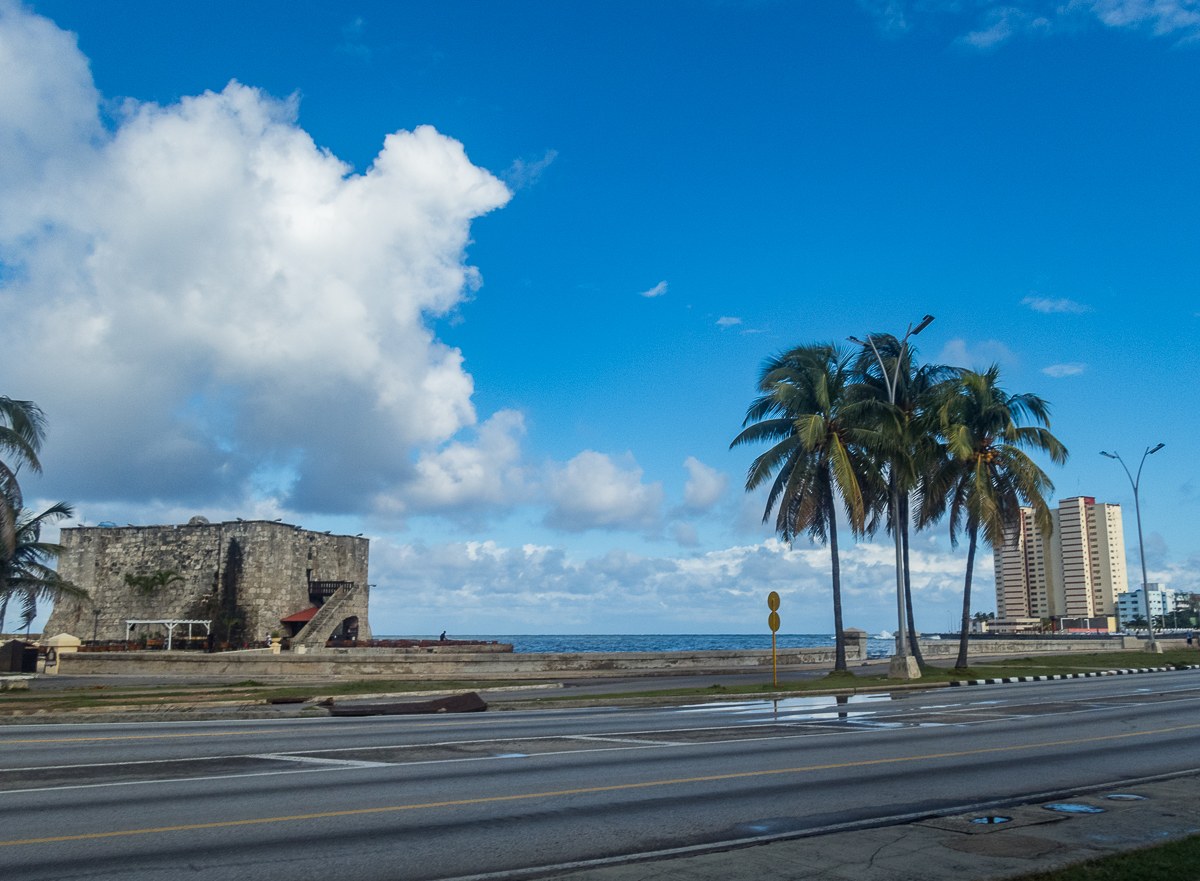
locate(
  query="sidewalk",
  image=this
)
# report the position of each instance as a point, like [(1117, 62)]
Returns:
[(950, 848)]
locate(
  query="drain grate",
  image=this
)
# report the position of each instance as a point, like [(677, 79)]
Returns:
[(988, 821), (1074, 809)]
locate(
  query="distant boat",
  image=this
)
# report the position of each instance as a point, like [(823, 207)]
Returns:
[(883, 634)]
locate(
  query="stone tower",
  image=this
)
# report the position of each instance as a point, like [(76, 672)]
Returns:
[(245, 576)]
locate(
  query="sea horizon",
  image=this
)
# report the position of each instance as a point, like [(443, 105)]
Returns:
[(531, 643)]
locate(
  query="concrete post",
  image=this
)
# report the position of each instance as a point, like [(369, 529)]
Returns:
[(856, 643)]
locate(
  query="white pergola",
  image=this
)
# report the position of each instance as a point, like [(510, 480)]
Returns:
[(169, 623)]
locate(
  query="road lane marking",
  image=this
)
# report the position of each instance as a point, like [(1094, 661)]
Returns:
[(606, 739), (330, 728), (810, 832), (585, 713), (225, 824), (821, 731), (241, 776), (314, 760), (141, 736), (324, 766), (802, 729)]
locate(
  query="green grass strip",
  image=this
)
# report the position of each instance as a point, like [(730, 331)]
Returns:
[(1107, 660), (1176, 860)]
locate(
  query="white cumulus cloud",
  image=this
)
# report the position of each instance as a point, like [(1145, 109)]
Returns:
[(657, 291), (988, 23), (956, 353), (592, 492), (473, 587), (728, 321), (705, 486), (1049, 304), (522, 173), (1059, 370), (202, 296), (685, 534), (467, 477)]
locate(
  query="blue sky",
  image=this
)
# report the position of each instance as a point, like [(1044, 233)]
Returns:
[(231, 302)]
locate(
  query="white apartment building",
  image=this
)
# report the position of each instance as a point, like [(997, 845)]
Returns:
[(1133, 604), (1077, 571)]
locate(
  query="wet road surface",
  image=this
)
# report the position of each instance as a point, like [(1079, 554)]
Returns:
[(447, 797)]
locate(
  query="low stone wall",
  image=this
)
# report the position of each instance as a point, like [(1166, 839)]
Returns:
[(407, 651), (399, 664), (948, 648)]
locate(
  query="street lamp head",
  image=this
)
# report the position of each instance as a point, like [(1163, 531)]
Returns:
[(924, 324), (1156, 449), (1110, 455)]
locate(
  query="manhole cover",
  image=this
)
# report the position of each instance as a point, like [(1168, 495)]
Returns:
[(1126, 797), (1074, 809), (988, 821)]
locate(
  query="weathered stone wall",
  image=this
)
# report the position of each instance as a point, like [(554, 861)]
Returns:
[(346, 604), (948, 648), (438, 664), (258, 570)]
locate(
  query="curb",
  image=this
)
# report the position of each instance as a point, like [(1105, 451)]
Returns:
[(1126, 672)]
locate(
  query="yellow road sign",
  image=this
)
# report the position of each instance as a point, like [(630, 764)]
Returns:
[(773, 621), (773, 601)]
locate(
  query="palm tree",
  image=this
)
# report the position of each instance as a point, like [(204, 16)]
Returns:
[(906, 444), (24, 575), (806, 412), (986, 476), (22, 430)]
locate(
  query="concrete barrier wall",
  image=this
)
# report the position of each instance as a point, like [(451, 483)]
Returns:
[(448, 649), (948, 648), (446, 664), (943, 648), (375, 664)]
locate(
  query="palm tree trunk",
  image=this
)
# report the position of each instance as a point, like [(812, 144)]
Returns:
[(839, 638), (912, 627), (973, 531)]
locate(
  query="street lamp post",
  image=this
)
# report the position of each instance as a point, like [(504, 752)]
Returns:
[(903, 665), (1151, 643)]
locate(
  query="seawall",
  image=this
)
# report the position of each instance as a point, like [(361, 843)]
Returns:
[(493, 662), (380, 664), (948, 648)]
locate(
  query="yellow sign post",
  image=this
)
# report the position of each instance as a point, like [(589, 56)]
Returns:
[(773, 623)]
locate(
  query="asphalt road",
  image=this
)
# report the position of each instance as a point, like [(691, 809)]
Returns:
[(455, 796)]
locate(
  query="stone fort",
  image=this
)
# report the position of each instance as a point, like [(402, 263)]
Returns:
[(249, 578)]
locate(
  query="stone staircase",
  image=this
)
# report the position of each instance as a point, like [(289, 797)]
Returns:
[(341, 605)]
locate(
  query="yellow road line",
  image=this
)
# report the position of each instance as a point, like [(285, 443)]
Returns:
[(590, 789)]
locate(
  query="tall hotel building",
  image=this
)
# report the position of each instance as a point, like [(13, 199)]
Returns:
[(1075, 572)]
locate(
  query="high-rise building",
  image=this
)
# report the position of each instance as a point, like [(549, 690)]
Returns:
[(1133, 604), (1077, 571)]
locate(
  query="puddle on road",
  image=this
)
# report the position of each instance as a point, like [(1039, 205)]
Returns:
[(810, 717), (990, 821), (1123, 797), (789, 704), (1074, 809), (768, 826)]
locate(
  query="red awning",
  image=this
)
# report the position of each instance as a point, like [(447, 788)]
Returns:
[(306, 615)]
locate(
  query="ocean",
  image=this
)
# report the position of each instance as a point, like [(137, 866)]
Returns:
[(657, 642)]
